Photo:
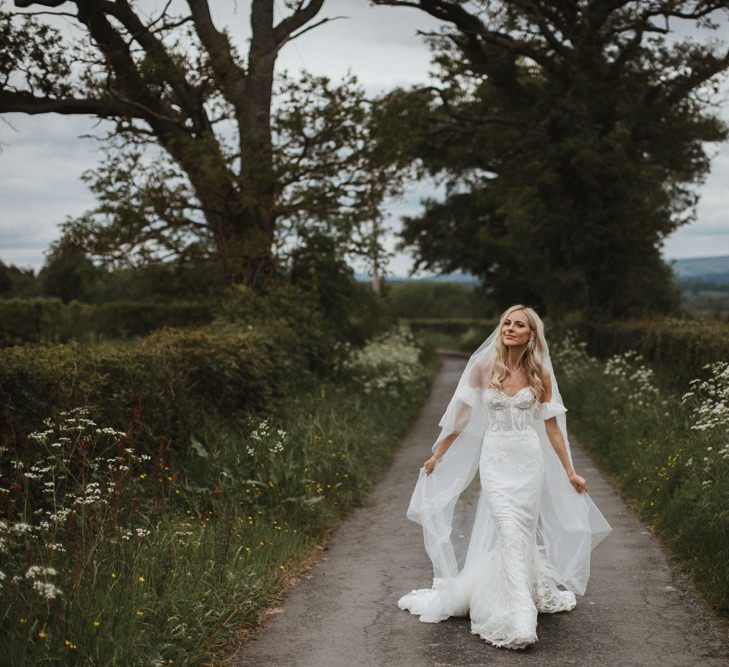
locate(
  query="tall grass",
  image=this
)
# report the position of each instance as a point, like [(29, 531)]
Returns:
[(668, 452), (114, 557)]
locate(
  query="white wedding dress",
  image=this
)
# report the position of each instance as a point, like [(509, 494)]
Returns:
[(505, 584)]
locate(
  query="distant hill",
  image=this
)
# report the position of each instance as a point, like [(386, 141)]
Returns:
[(702, 268), (695, 268), (446, 278)]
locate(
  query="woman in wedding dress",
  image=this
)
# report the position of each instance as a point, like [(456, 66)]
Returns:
[(535, 524)]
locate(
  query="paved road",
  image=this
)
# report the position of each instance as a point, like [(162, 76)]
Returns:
[(636, 611)]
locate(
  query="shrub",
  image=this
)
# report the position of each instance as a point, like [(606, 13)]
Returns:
[(154, 384), (678, 348), (48, 320)]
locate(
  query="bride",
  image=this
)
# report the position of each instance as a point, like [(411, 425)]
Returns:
[(535, 524)]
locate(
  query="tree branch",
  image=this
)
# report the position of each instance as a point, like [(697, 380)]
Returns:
[(30, 104), (685, 84), (175, 76), (289, 25), (45, 3), (311, 27), (473, 27), (227, 73)]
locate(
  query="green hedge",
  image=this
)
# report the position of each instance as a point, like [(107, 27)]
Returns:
[(258, 350), (436, 299), (152, 386), (50, 320), (448, 325), (678, 349)]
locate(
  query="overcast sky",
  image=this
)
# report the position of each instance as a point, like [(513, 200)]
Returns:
[(43, 157)]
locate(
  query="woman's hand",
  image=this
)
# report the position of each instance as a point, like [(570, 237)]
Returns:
[(578, 482), (430, 463)]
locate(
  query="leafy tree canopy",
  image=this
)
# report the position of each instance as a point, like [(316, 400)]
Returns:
[(570, 136)]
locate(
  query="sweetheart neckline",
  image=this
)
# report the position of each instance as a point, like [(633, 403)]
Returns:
[(498, 391)]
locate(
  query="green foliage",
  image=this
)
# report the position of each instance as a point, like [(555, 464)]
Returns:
[(41, 320), (678, 348), (291, 315), (570, 143), (455, 333), (158, 282), (15, 281), (191, 280), (68, 273), (667, 453), (388, 364), (352, 311), (151, 386), (417, 299)]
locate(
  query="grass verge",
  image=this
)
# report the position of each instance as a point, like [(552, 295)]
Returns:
[(668, 453)]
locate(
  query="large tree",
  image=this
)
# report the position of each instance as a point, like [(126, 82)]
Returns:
[(201, 159), (570, 135)]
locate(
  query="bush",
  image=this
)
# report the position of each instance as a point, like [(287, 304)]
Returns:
[(388, 364), (678, 348), (453, 333), (151, 386), (292, 315), (352, 311), (49, 320), (434, 299)]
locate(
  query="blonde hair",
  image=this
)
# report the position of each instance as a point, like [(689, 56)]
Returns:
[(533, 354)]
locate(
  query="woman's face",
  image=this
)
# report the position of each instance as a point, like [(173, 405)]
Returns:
[(515, 330)]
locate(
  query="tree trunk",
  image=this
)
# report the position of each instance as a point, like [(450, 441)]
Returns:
[(252, 237)]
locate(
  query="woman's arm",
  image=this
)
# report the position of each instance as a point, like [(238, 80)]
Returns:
[(461, 418), (554, 433), (463, 414)]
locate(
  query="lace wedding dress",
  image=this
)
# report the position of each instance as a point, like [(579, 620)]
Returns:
[(506, 583)]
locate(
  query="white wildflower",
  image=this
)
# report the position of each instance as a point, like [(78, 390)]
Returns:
[(35, 571), (47, 590), (22, 528)]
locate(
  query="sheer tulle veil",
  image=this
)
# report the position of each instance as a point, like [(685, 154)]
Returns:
[(569, 526)]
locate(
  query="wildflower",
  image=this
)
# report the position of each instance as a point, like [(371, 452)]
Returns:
[(21, 528), (47, 590), (37, 571)]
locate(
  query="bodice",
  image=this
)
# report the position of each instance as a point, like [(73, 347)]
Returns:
[(510, 413)]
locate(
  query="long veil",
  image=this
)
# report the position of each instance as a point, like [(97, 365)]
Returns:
[(569, 526)]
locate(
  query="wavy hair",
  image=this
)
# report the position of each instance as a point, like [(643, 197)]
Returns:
[(532, 357)]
